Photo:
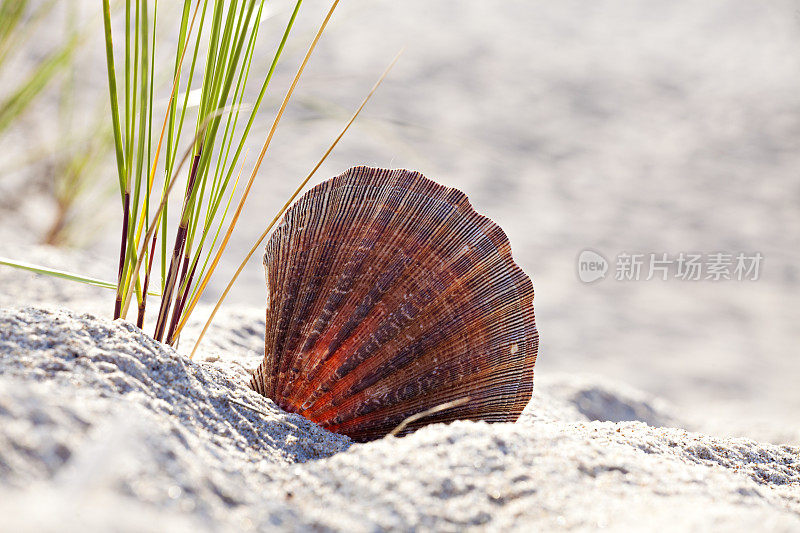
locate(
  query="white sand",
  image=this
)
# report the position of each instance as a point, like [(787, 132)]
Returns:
[(103, 428)]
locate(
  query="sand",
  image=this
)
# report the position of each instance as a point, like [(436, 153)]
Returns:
[(102, 428)]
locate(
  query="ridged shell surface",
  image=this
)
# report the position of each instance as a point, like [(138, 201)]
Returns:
[(389, 295)]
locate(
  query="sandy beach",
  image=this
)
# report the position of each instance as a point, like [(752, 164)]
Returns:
[(106, 429)]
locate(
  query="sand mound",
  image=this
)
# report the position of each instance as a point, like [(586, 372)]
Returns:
[(103, 428)]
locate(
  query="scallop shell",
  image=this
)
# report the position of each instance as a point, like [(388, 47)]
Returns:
[(389, 295)]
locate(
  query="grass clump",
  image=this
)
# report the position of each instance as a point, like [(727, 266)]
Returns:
[(212, 61), (226, 33), (66, 170), (192, 141)]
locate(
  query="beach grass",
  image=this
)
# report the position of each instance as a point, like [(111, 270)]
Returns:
[(69, 170), (189, 135), (213, 65)]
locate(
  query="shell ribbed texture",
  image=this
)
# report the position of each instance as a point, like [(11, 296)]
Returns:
[(389, 295)]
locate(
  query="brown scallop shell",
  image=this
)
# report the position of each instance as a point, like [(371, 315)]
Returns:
[(390, 295)]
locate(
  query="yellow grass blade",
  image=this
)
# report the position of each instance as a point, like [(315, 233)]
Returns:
[(176, 336), (156, 218), (278, 215), (261, 155), (233, 191), (424, 414)]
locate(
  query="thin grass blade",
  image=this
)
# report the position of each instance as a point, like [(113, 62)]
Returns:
[(261, 238), (63, 274)]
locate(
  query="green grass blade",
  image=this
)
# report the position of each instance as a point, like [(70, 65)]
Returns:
[(63, 274), (112, 89), (21, 98)]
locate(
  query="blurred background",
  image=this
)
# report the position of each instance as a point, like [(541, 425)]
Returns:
[(636, 127)]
